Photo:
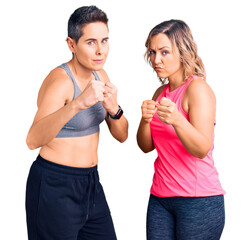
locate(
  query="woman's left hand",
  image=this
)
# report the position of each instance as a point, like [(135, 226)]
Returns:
[(110, 99), (167, 111)]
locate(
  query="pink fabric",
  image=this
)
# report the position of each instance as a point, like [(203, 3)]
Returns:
[(177, 172)]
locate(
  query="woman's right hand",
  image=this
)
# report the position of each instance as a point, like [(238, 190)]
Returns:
[(148, 109), (93, 93)]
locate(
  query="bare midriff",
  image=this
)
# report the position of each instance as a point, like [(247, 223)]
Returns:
[(78, 152)]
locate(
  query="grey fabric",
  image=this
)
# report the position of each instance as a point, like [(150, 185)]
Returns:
[(87, 121)]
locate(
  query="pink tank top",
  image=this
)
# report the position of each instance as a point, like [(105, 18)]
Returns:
[(177, 172)]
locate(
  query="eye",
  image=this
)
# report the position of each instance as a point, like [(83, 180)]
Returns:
[(151, 52), (90, 42), (104, 40), (165, 52)]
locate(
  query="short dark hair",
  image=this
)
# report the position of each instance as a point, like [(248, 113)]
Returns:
[(83, 16)]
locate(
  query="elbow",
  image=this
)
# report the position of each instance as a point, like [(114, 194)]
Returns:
[(30, 143), (202, 153), (30, 146), (123, 138), (144, 148), (123, 135), (202, 149)]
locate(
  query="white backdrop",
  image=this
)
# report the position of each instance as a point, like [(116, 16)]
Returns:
[(33, 37)]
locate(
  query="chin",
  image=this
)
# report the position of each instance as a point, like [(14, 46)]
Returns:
[(161, 75), (97, 68)]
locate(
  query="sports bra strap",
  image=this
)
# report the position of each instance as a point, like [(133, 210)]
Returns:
[(69, 73), (96, 75)]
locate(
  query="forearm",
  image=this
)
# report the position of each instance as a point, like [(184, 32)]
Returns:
[(144, 137), (44, 130), (194, 141), (118, 128)]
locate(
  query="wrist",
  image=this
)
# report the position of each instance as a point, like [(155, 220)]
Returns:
[(146, 121), (80, 105), (114, 110), (179, 121), (117, 114), (76, 105)]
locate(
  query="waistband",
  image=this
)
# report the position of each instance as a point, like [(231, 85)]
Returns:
[(64, 169), (91, 173)]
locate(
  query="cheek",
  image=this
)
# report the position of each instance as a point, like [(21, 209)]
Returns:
[(87, 53), (106, 49), (151, 58), (176, 60), (178, 65), (172, 63)]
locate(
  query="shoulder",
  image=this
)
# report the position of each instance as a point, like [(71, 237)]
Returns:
[(158, 92), (58, 83), (199, 89), (57, 76), (103, 75), (197, 83)]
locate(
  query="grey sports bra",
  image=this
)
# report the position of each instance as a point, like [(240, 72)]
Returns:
[(85, 122)]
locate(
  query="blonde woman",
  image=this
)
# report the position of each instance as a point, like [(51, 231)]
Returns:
[(186, 200)]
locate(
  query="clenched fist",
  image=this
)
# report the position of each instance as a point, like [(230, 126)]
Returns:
[(167, 111), (93, 93), (110, 98), (148, 109)]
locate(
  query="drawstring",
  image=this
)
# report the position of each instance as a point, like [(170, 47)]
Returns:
[(92, 178), (96, 181), (88, 195)]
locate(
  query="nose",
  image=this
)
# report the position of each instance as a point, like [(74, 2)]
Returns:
[(99, 49), (157, 59)]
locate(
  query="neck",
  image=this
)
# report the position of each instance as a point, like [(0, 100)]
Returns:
[(175, 80)]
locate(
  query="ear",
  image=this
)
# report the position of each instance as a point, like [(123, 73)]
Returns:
[(71, 44)]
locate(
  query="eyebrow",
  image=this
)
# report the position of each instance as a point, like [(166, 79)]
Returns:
[(94, 39), (164, 47), (161, 48), (90, 39)]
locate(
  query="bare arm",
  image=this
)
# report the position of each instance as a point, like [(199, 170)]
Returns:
[(196, 134), (144, 136), (55, 107), (117, 127)]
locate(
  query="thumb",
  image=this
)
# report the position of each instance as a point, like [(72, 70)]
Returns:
[(165, 101)]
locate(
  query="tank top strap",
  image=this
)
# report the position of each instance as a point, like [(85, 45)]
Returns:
[(181, 91), (188, 81)]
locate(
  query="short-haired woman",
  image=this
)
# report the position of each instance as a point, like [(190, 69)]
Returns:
[(64, 198)]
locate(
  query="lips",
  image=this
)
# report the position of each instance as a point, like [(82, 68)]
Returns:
[(98, 60), (158, 68)]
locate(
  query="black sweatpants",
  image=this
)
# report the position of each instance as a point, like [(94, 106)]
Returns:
[(66, 203)]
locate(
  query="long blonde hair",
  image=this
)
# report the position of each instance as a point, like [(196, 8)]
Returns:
[(180, 36)]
